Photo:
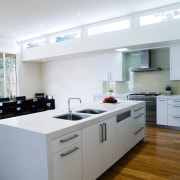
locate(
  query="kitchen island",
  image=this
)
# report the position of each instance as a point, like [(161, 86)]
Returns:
[(42, 147)]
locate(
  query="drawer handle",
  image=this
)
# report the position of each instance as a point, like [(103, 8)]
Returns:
[(176, 106), (101, 132), (69, 152), (176, 101), (176, 117), (69, 138), (138, 131), (139, 116), (104, 132), (161, 100), (138, 109)]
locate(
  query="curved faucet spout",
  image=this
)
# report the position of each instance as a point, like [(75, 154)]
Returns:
[(69, 100)]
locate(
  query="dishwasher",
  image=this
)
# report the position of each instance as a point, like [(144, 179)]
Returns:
[(124, 132)]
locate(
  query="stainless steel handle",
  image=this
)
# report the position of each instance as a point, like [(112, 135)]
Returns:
[(176, 100), (139, 116), (150, 102), (69, 138), (162, 100), (69, 152), (101, 133), (109, 76), (104, 132), (138, 109), (138, 130), (176, 106), (176, 117)]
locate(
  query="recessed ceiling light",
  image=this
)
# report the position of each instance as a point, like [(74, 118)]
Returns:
[(122, 49)]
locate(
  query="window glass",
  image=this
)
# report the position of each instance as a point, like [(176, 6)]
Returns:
[(10, 74), (65, 37), (114, 26), (160, 17), (7, 75), (35, 43), (1, 76)]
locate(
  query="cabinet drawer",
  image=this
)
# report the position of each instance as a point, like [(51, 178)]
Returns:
[(66, 140), (174, 109), (138, 122), (174, 121), (67, 163), (138, 118), (139, 135), (174, 101), (138, 110)]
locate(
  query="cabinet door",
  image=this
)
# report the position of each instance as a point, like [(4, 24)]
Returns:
[(111, 67), (117, 69), (67, 163), (92, 152), (124, 136), (103, 69), (109, 144), (162, 111), (174, 63), (99, 148)]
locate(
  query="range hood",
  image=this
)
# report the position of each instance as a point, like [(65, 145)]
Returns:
[(145, 63)]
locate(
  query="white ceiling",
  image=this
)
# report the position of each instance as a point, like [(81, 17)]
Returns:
[(21, 19)]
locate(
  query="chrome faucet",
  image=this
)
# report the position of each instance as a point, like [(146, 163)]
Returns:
[(69, 108)]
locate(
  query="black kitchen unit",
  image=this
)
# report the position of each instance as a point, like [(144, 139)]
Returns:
[(150, 99)]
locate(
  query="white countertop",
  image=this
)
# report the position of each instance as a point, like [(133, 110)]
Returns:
[(169, 97), (45, 123)]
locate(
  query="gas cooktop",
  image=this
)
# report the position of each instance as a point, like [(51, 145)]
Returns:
[(146, 93)]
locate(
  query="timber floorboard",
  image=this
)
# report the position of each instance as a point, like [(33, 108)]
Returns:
[(158, 158)]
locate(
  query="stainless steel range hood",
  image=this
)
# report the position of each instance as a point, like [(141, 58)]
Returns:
[(145, 63)]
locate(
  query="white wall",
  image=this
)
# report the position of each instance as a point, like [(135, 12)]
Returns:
[(28, 73), (8, 45), (29, 78), (73, 77), (162, 33)]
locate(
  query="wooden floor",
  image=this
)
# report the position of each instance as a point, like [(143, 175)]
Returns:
[(156, 159)]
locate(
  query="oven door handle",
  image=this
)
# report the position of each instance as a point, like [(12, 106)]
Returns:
[(152, 102)]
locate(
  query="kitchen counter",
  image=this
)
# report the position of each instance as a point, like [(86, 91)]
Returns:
[(45, 123), (40, 147), (175, 96)]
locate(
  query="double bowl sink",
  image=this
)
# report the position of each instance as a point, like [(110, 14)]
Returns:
[(81, 114)]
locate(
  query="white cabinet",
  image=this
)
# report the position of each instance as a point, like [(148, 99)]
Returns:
[(161, 114), (168, 110), (174, 62), (174, 112), (111, 66), (138, 126), (124, 129), (99, 148), (67, 157)]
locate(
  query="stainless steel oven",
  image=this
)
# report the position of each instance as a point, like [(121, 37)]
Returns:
[(150, 99)]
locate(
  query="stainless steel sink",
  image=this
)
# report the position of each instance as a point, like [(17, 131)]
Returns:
[(91, 111), (72, 116)]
